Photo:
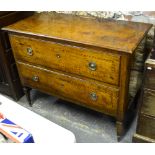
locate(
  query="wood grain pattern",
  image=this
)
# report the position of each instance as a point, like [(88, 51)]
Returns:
[(118, 35), (74, 88), (68, 58), (124, 85), (124, 93)]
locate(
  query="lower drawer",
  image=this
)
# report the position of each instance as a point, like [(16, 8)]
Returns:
[(89, 93)]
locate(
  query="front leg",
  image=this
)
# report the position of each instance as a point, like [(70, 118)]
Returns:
[(27, 93), (120, 129)]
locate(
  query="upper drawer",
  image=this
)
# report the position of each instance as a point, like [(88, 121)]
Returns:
[(89, 93), (99, 65)]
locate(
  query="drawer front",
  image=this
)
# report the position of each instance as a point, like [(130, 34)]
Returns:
[(150, 77), (99, 65), (88, 92), (146, 126), (148, 106)]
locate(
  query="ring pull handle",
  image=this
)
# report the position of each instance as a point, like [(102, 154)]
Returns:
[(92, 66)]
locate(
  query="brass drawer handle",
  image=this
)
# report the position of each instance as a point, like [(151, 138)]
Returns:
[(35, 78), (92, 66), (29, 51), (93, 96)]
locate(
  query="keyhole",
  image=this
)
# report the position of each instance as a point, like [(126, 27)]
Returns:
[(58, 55)]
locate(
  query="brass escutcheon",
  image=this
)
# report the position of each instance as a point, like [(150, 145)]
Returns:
[(93, 96), (29, 51), (35, 78)]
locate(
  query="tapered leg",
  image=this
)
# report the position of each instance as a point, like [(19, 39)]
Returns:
[(120, 130), (27, 93)]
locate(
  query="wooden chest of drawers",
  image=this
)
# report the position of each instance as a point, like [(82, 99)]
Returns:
[(79, 59), (146, 121), (9, 79)]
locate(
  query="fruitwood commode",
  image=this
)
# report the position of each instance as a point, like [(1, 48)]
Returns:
[(83, 60)]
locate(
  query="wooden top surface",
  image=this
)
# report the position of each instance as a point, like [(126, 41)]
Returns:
[(118, 35)]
